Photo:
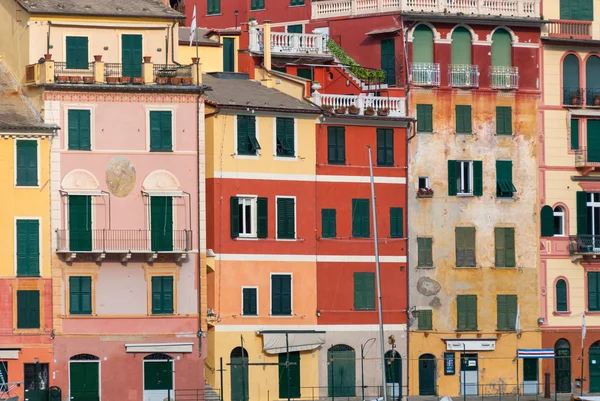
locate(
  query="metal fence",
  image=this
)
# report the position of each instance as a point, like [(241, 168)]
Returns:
[(463, 75), (60, 69), (118, 241), (172, 71), (426, 74), (197, 394), (113, 69)]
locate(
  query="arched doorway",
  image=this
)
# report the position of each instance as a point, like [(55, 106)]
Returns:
[(427, 374), (594, 364), (393, 374), (341, 371), (84, 377), (562, 366), (239, 374), (159, 376)]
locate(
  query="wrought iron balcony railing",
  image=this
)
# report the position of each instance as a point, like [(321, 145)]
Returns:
[(463, 75), (505, 77), (123, 241), (425, 74), (584, 244)]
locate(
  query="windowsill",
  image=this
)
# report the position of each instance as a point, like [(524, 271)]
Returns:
[(258, 9), (28, 276), (562, 313), (385, 165), (336, 163), (287, 239), (593, 313), (298, 5), (505, 135), (463, 133), (27, 186), (424, 132), (326, 238), (161, 150), (465, 195), (250, 157), (29, 331), (79, 150), (506, 330), (285, 158), (249, 316), (246, 238), (467, 330), (426, 267), (466, 267), (213, 15), (364, 310), (286, 316)]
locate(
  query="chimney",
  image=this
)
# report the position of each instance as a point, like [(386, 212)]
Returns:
[(267, 44), (196, 71)]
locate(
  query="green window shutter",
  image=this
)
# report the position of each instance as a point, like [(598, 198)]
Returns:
[(247, 143), (80, 295), (425, 257), (465, 247), (463, 119), (161, 133), (155, 133), (86, 295), (424, 118), (328, 223), (502, 312), (276, 295), (422, 47), (214, 7), (79, 130), (574, 134), (162, 295), (28, 248), (364, 291), (131, 55), (281, 295), (286, 224), (461, 312), (306, 73), (504, 185), (461, 46), (499, 247), (167, 294), (472, 312), (385, 147), (503, 120), (257, 4), (289, 380), (249, 302), (505, 247), (285, 137), (28, 309), (452, 178), (388, 60), (477, 178), (262, 213), (234, 220), (396, 222), (547, 220), (501, 49), (561, 296), (27, 163), (361, 222), (593, 136), (77, 52), (157, 306), (228, 55), (425, 320), (296, 3), (582, 213), (593, 288), (336, 145)]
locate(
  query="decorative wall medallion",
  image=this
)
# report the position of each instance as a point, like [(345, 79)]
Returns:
[(120, 176)]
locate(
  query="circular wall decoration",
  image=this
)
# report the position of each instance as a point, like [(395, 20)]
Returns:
[(120, 176)]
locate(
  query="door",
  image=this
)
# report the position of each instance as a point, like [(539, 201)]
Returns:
[(594, 362), (530, 376), (562, 366), (131, 55), (228, 55), (158, 380), (427, 375), (393, 375), (84, 381), (294, 376), (388, 60), (469, 375), (341, 371), (80, 223), (239, 374), (36, 381), (161, 223), (593, 141)]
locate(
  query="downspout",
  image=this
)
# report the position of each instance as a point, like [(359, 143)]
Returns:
[(173, 44), (48, 37), (198, 193)]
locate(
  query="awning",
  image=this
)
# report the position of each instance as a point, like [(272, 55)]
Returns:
[(83, 192), (383, 31), (274, 341), (154, 192), (545, 353), (9, 354), (177, 348)]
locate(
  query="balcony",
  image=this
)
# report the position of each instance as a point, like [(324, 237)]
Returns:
[(505, 77), (579, 97), (322, 9), (566, 29), (313, 44), (463, 76), (587, 158), (367, 105), (425, 74), (584, 245), (123, 242)]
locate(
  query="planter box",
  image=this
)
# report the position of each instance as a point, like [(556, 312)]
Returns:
[(424, 195), (112, 80)]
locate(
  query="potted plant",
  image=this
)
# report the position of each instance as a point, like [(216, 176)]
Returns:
[(88, 80), (425, 193), (98, 57), (61, 79), (597, 100), (353, 110), (187, 81), (340, 110), (138, 80), (195, 60), (575, 99), (384, 112), (147, 59), (47, 56), (124, 80), (75, 79), (162, 80), (112, 80), (369, 111), (175, 80), (327, 107)]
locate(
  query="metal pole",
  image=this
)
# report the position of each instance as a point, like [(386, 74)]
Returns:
[(464, 372), (221, 372), (287, 364), (332, 380), (378, 279), (582, 360), (362, 371)]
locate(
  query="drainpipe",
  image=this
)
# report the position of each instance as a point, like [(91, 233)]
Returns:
[(173, 44), (48, 37)]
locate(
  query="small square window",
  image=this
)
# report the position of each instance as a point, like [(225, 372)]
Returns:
[(423, 182), (464, 177)]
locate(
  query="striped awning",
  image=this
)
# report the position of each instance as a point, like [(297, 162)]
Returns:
[(536, 353)]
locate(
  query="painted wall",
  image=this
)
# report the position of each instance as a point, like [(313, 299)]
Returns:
[(211, 57), (15, 40), (552, 12), (16, 368)]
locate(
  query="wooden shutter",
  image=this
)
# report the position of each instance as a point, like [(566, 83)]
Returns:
[(364, 291), (234, 216), (328, 223), (500, 247), (477, 178), (501, 49), (336, 145), (574, 134), (509, 247), (463, 119), (75, 295), (425, 320), (360, 218), (388, 60), (565, 9), (501, 315), (86, 295), (166, 131), (155, 131), (547, 220), (462, 312), (424, 118), (281, 293), (461, 46), (214, 7), (472, 312), (452, 179), (28, 309), (587, 10), (470, 250), (396, 222), (503, 120), (131, 55), (157, 301), (285, 218), (79, 130), (461, 246), (167, 295), (381, 147), (291, 218), (582, 213), (425, 258), (27, 163), (257, 4), (276, 294), (228, 55), (249, 301), (242, 135), (73, 130), (593, 299), (422, 46), (593, 132), (262, 213), (77, 52), (561, 296), (28, 248)]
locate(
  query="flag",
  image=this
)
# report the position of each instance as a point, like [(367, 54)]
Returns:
[(583, 329), (518, 320), (193, 26)]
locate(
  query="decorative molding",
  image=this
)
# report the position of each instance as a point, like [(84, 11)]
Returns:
[(119, 97), (79, 179), (161, 180)]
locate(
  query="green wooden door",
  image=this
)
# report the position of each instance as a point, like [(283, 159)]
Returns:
[(579, 10), (228, 55), (131, 55), (158, 375), (592, 80), (530, 369), (388, 60), (161, 223), (80, 223), (501, 49), (593, 140), (341, 371), (570, 78), (84, 381), (36, 381), (294, 376), (393, 375), (422, 46), (594, 363), (239, 375), (562, 366), (427, 375)]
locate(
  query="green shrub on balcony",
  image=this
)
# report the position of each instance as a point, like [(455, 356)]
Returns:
[(355, 68)]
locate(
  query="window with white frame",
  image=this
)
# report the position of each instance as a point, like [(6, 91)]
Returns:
[(423, 182), (464, 177), (559, 221), (247, 213)]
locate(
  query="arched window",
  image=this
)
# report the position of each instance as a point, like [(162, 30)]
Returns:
[(422, 46), (559, 221), (157, 357), (560, 293), (547, 219), (501, 49), (592, 81), (570, 78), (462, 73), (579, 10), (341, 371), (84, 357)]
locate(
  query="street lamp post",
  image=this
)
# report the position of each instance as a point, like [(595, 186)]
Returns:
[(362, 366)]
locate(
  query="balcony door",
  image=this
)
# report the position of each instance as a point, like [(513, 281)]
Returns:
[(131, 55), (161, 223), (593, 213), (593, 141), (388, 60), (80, 223)]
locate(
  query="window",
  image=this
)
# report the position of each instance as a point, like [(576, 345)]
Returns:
[(559, 221), (506, 316), (229, 55), (257, 4), (505, 246), (396, 222), (161, 132), (574, 134), (328, 223), (503, 120), (80, 295), (465, 177), (306, 73), (577, 10), (463, 119), (465, 247), (570, 80), (461, 48), (593, 291), (592, 79), (249, 301), (214, 7), (364, 291), (361, 223), (296, 2), (467, 312), (501, 49), (425, 256), (504, 184), (281, 294), (249, 217), (28, 309), (424, 118), (28, 248), (162, 295), (385, 147), (285, 137), (425, 320), (77, 52), (79, 130), (247, 144), (593, 139), (422, 49), (297, 28), (286, 218), (388, 60), (423, 182), (27, 163), (336, 145), (561, 296)]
